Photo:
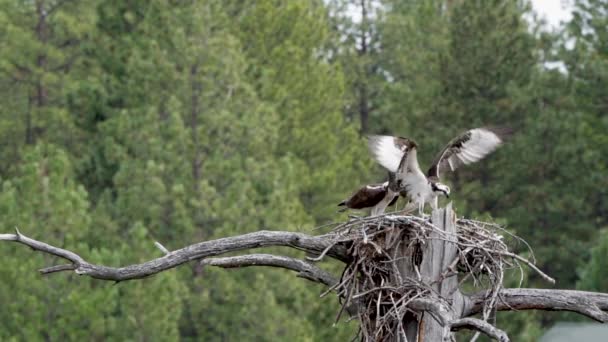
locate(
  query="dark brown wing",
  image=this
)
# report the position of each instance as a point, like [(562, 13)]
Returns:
[(366, 197), (469, 147)]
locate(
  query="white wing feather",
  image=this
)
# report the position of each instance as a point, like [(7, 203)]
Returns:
[(376, 187), (480, 143), (385, 152)]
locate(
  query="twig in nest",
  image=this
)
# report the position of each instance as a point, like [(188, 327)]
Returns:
[(373, 277)]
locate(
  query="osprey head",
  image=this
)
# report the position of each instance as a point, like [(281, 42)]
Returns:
[(439, 188), (412, 144), (405, 144)]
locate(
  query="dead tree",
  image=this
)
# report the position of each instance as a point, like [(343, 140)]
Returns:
[(401, 278)]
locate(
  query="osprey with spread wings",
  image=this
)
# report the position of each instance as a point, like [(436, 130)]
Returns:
[(399, 156)]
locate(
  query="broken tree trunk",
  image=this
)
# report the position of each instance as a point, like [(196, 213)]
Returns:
[(433, 265), (437, 256)]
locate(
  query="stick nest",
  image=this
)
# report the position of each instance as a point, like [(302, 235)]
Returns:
[(381, 246)]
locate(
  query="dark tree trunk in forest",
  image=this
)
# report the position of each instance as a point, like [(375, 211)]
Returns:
[(364, 107), (41, 60), (39, 99), (196, 89), (29, 134)]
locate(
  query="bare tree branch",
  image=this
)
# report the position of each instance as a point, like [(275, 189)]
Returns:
[(441, 312), (531, 265), (305, 270), (312, 244), (41, 246), (479, 325), (161, 247), (58, 268), (591, 304)]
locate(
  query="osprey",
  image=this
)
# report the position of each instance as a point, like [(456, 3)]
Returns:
[(376, 196), (399, 155)]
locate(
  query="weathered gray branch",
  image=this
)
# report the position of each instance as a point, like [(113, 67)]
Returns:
[(532, 266), (42, 246), (305, 270), (479, 325), (58, 268), (591, 304), (201, 250)]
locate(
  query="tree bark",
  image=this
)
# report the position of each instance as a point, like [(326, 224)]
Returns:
[(438, 254), (590, 304), (436, 257), (171, 259)]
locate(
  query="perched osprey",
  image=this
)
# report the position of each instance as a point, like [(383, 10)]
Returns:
[(376, 196), (398, 155)]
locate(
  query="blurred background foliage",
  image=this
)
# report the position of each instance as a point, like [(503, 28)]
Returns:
[(125, 122)]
